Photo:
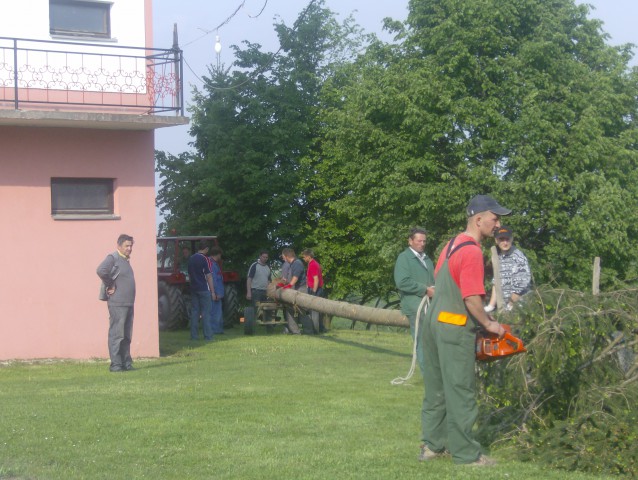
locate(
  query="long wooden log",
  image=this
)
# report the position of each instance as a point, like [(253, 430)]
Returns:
[(360, 313)]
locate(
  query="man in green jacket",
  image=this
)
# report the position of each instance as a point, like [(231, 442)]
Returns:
[(414, 278)]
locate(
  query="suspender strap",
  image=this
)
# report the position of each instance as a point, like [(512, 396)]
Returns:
[(451, 245)]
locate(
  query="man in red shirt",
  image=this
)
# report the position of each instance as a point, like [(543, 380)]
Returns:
[(314, 280), (456, 312)]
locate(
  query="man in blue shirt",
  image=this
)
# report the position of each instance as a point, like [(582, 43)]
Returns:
[(202, 291)]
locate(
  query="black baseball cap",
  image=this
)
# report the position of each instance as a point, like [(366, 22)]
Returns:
[(504, 232), (485, 203)]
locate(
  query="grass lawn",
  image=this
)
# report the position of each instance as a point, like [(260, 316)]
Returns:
[(267, 406)]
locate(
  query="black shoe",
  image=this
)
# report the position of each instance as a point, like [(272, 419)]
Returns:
[(128, 368), (116, 369)]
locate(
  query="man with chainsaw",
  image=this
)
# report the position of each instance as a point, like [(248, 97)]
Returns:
[(448, 340)]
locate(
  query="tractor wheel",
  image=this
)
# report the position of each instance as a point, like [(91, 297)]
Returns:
[(230, 305), (171, 307), (249, 321)]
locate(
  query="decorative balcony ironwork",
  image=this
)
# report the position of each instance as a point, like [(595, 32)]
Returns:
[(71, 76)]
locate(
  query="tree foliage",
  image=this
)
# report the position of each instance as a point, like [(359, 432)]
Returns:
[(568, 401), (251, 127), (314, 146), (521, 99)]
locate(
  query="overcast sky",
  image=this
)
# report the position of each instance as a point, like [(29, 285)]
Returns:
[(197, 22), (194, 18)]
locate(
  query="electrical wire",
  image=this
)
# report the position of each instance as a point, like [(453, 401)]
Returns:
[(260, 11), (270, 61), (225, 22)]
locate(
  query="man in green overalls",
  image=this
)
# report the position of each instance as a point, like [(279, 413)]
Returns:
[(414, 278), (448, 339)]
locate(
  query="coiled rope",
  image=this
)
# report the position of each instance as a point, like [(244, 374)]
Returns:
[(423, 306)]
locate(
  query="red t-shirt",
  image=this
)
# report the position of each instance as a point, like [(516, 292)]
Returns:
[(314, 269), (466, 266)]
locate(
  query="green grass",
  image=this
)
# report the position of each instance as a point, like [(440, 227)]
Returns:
[(266, 406)]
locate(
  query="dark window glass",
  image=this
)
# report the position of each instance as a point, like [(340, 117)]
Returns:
[(89, 19), (90, 196)]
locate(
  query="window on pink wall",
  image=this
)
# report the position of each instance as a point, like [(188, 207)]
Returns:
[(80, 18), (82, 196)]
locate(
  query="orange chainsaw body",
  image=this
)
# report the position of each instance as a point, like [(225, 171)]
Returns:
[(489, 347)]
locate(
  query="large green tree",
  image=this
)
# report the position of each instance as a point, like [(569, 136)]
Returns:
[(251, 126), (522, 99)]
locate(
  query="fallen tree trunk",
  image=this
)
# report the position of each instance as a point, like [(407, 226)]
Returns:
[(375, 316)]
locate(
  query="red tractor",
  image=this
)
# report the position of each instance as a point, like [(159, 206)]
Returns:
[(173, 287)]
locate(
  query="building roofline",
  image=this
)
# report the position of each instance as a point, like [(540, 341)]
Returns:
[(107, 121)]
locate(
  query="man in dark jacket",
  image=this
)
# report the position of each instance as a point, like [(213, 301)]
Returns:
[(117, 275), (414, 279)]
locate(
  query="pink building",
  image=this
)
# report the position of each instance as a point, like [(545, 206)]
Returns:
[(79, 103)]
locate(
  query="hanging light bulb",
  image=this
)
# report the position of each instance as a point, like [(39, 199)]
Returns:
[(218, 50)]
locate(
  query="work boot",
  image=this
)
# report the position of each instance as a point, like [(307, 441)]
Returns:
[(483, 461), (427, 454)]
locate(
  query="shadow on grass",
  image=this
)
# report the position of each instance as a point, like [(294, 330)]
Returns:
[(179, 343), (177, 360), (365, 347)]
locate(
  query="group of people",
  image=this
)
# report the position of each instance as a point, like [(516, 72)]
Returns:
[(446, 331), (118, 290), (293, 275), (207, 292), (444, 334)]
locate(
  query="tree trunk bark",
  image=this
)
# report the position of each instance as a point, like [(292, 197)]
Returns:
[(360, 313)]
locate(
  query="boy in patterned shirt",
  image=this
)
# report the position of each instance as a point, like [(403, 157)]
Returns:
[(516, 276)]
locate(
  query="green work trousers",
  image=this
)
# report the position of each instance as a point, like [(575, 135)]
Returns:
[(449, 407)]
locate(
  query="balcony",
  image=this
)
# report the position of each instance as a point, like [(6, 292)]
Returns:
[(49, 83)]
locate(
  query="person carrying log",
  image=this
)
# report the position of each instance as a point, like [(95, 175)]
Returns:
[(293, 276)]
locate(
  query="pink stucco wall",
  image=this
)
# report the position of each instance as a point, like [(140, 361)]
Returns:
[(48, 285)]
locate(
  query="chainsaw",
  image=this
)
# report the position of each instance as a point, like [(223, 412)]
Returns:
[(489, 347)]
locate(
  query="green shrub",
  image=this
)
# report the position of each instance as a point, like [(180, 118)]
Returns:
[(567, 401)]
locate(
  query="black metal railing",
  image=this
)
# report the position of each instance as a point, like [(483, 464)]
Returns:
[(95, 77)]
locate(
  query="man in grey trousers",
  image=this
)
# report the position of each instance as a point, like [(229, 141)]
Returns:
[(117, 275)]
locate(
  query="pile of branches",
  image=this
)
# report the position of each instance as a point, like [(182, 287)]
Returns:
[(568, 401)]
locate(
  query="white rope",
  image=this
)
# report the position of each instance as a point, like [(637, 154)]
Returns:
[(423, 306)]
